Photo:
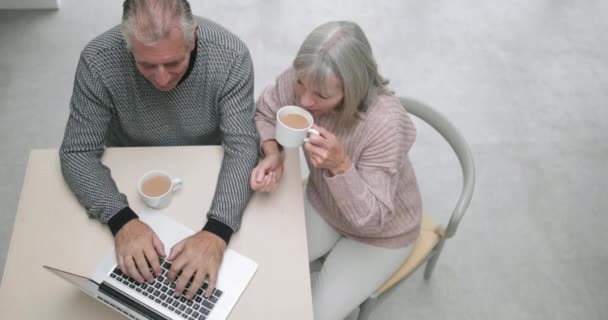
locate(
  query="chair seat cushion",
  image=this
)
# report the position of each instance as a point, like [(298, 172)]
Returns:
[(429, 237)]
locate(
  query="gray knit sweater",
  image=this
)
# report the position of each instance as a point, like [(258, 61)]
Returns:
[(114, 105)]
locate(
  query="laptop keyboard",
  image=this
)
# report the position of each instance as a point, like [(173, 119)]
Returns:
[(162, 292)]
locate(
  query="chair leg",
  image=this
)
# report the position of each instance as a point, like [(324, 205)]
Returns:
[(365, 309), (430, 265)]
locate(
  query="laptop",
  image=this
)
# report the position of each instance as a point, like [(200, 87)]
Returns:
[(156, 301)]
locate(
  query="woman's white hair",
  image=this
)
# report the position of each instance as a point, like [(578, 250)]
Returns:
[(151, 20), (341, 48)]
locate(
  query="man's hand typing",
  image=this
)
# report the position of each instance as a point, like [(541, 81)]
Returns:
[(198, 257), (137, 249)]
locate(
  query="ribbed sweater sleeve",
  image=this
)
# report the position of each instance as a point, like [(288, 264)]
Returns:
[(367, 191)]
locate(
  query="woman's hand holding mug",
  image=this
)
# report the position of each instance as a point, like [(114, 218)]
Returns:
[(327, 152)]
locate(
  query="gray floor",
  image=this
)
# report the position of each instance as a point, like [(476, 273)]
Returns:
[(525, 80)]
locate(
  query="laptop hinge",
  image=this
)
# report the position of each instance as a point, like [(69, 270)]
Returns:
[(133, 304)]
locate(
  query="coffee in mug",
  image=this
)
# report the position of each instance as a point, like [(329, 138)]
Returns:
[(295, 121), (156, 188), (294, 124)]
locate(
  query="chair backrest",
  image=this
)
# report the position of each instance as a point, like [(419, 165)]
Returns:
[(459, 145)]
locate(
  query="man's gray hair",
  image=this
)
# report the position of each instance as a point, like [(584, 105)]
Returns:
[(151, 20), (341, 48)]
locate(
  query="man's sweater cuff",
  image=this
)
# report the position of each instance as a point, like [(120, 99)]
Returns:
[(120, 219), (219, 229)]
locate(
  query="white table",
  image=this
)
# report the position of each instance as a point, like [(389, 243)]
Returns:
[(51, 228)]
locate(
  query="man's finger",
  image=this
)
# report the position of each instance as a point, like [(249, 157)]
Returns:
[(199, 277), (121, 264), (152, 258), (142, 267), (182, 282), (212, 280), (132, 269), (177, 265), (176, 250), (158, 245)]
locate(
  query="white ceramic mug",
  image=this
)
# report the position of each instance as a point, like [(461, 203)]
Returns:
[(162, 200), (290, 137)]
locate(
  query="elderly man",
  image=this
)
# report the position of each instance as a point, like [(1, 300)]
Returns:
[(162, 77)]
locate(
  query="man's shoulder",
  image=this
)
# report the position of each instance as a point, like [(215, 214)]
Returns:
[(107, 46), (211, 33)]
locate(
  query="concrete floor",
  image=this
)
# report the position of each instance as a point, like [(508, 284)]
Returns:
[(526, 81)]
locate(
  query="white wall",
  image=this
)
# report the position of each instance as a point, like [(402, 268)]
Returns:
[(29, 4)]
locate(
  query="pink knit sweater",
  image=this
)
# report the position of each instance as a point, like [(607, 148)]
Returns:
[(377, 200)]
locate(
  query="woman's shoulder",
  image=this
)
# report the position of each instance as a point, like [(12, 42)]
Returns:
[(386, 110), (386, 126)]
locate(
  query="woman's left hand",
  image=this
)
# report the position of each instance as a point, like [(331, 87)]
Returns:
[(266, 175), (325, 151)]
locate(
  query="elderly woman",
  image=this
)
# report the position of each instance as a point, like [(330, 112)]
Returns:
[(362, 203)]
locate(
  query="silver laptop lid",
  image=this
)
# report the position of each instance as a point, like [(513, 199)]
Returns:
[(109, 295), (87, 285)]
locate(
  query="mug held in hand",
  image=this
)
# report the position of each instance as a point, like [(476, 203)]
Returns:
[(294, 124)]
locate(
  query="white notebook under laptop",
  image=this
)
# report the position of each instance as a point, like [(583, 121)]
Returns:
[(156, 301)]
